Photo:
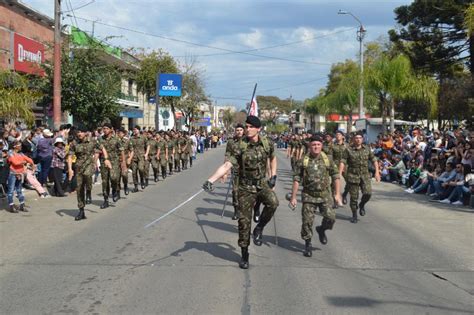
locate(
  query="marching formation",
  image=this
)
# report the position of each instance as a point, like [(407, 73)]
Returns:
[(317, 163)]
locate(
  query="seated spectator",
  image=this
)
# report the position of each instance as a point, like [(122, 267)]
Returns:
[(439, 184), (397, 170), (413, 173), (457, 182), (421, 184), (384, 165), (17, 161), (33, 181), (467, 156)]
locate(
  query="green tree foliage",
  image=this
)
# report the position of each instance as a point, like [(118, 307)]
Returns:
[(89, 87), (433, 34), (278, 128), (228, 118), (16, 97)]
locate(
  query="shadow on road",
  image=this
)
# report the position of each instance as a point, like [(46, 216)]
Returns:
[(214, 211), (71, 212), (353, 301), (217, 249)]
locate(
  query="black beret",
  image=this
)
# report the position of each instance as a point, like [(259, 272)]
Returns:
[(340, 131), (254, 121), (138, 127), (359, 133), (122, 130), (316, 137), (107, 125), (239, 125)]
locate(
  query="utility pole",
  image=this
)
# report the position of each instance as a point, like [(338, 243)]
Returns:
[(57, 65)]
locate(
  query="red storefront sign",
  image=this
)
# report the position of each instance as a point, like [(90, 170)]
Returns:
[(28, 55)]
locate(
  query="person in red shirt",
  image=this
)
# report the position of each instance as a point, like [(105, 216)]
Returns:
[(17, 162)]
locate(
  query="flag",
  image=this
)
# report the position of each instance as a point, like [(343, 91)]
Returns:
[(254, 107)]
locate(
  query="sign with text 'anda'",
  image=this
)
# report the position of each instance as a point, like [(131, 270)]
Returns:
[(169, 84)]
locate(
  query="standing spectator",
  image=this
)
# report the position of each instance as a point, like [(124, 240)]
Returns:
[(17, 161), (28, 148), (58, 164), (45, 155), (4, 170)]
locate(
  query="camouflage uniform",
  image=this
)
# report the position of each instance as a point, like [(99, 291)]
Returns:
[(139, 144), (171, 148), (316, 174), (152, 159), (357, 174), (190, 151), (294, 145), (111, 176), (183, 145), (162, 145), (127, 148), (177, 154), (252, 168), (84, 151), (230, 150), (328, 148)]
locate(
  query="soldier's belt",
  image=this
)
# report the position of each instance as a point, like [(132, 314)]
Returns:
[(251, 181)]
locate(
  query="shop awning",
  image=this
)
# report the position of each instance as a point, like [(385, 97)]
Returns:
[(131, 113)]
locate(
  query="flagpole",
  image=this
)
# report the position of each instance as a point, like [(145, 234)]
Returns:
[(251, 100)]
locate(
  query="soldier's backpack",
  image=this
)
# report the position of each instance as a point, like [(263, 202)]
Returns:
[(323, 156), (265, 142)]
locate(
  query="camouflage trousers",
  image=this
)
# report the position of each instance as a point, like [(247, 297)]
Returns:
[(365, 186), (247, 198), (177, 160), (235, 192), (153, 161), (138, 167), (184, 159), (110, 178), (124, 176), (308, 212), (84, 182)]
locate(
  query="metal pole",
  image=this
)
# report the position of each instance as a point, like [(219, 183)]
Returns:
[(57, 65), (361, 61), (157, 101), (251, 100)]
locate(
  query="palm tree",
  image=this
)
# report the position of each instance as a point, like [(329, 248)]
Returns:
[(16, 97), (393, 80)]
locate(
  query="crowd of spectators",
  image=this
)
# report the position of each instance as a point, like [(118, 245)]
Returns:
[(438, 163)]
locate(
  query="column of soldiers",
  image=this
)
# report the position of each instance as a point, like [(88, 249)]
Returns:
[(117, 154), (318, 162)]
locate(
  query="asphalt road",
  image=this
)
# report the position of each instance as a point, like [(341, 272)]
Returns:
[(406, 256)]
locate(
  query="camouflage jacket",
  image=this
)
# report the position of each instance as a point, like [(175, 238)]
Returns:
[(84, 152), (337, 152), (315, 173), (356, 162), (139, 144), (153, 147), (162, 145), (113, 146)]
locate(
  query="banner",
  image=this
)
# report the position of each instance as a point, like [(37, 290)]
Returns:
[(28, 55), (254, 107)]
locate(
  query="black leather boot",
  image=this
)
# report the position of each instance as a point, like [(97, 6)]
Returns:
[(354, 217), (322, 234), (146, 182), (344, 197), (308, 248), (363, 201), (142, 183), (105, 204), (244, 261), (88, 197), (171, 169), (115, 195), (191, 162), (236, 214), (256, 212), (135, 188), (81, 215), (163, 172), (257, 235), (155, 176), (125, 189)]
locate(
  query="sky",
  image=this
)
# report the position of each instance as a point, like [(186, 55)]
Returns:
[(310, 36)]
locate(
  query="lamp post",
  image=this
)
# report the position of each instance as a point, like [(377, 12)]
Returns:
[(360, 38)]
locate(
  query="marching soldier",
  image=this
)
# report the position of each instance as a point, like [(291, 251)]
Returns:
[(252, 159), (190, 150), (139, 156), (183, 145), (177, 152), (356, 160), (110, 166), (328, 144), (315, 172), (153, 157), (87, 153), (162, 154), (230, 150), (171, 151), (127, 158)]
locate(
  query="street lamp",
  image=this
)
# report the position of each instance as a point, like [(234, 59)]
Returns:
[(360, 38)]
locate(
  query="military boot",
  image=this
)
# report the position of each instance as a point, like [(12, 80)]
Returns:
[(142, 183), (191, 161), (171, 169), (236, 215), (125, 189), (88, 197), (105, 204), (146, 182), (256, 212), (244, 261), (163, 172), (344, 197), (81, 215), (322, 234), (308, 248), (354, 217), (155, 176), (365, 198), (257, 235), (115, 195)]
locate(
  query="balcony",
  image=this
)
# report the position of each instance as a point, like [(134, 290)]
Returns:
[(128, 100)]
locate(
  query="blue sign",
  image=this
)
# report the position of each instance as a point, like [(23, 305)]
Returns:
[(169, 84), (152, 100), (203, 122)]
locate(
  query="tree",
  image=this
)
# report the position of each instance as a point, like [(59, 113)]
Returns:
[(228, 118), (89, 87), (16, 97), (433, 34), (317, 105)]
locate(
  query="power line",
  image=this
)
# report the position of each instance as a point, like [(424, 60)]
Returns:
[(205, 46), (79, 7), (276, 46)]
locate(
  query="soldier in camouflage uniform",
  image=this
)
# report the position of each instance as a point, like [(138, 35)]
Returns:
[(328, 144), (177, 152), (183, 146), (153, 157), (87, 153), (112, 154), (231, 149), (139, 155), (162, 154), (252, 158), (356, 160), (171, 148), (190, 150), (127, 158), (315, 171)]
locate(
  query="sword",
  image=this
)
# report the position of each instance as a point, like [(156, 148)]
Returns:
[(227, 195)]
